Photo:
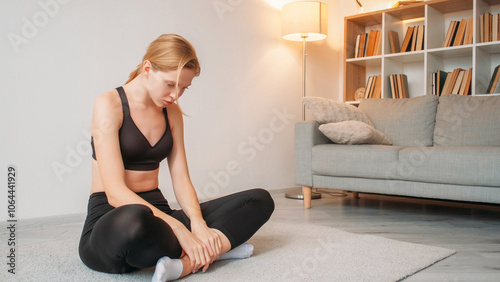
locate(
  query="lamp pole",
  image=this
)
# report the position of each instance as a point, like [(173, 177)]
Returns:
[(304, 21), (304, 54), (298, 195)]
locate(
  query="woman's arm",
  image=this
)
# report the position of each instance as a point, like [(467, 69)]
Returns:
[(183, 187)]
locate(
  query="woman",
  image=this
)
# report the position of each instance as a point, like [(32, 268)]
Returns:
[(130, 225)]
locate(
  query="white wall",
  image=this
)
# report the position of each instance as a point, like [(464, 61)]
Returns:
[(58, 56)]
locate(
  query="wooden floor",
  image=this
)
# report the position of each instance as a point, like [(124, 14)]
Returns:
[(470, 229)]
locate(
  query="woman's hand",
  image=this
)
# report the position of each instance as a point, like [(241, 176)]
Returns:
[(197, 252), (209, 238)]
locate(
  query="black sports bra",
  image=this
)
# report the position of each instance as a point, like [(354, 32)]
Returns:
[(137, 152)]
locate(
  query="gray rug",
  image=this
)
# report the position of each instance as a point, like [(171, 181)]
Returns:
[(283, 252)]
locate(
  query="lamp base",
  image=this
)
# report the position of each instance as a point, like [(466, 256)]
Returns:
[(297, 195)]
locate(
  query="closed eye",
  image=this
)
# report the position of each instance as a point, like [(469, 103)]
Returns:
[(172, 84)]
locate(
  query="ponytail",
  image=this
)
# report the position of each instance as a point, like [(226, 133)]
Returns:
[(134, 73)]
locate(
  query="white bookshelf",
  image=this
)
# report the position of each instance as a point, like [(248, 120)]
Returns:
[(418, 66)]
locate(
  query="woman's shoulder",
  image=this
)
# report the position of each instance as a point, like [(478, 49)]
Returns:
[(108, 105), (109, 99)]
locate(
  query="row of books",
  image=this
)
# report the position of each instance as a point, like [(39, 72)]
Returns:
[(373, 87), (493, 81), (459, 33), (489, 27), (456, 82), (414, 39), (368, 44), (459, 81), (399, 86)]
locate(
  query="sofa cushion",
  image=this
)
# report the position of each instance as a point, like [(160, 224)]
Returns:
[(467, 121), (459, 165), (406, 122), (366, 161), (327, 110), (353, 132)]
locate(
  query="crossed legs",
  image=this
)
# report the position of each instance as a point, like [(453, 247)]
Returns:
[(131, 237)]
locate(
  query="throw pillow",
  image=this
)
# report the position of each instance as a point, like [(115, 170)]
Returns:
[(353, 132), (326, 111)]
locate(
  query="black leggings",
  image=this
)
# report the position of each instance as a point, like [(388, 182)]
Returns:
[(130, 237)]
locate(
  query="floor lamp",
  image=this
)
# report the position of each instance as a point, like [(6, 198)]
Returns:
[(304, 21)]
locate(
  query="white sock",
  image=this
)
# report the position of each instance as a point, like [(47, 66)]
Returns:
[(167, 269), (244, 250)]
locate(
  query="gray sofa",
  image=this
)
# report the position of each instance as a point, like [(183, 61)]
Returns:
[(444, 147)]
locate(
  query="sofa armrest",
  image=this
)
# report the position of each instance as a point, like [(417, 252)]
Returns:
[(307, 135)]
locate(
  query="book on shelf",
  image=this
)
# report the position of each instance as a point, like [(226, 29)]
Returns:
[(407, 40), (420, 38), (406, 92), (360, 42), (456, 82), (438, 79), (373, 87), (356, 48), (368, 87), (493, 81), (377, 91), (481, 28), (489, 28), (449, 34), (414, 39), (459, 37), (466, 83), (399, 86), (360, 45), (468, 86), (451, 81), (392, 85), (368, 44), (498, 27), (494, 27), (378, 44), (468, 31), (459, 33), (394, 41)]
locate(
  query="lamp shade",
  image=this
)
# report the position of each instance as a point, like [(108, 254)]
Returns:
[(304, 20)]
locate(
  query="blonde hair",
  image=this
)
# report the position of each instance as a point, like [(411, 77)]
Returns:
[(169, 52)]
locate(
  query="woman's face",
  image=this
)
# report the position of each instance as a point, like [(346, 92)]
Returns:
[(163, 88)]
